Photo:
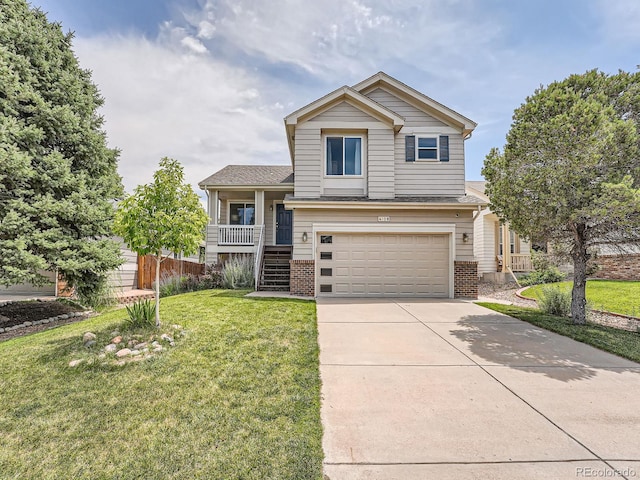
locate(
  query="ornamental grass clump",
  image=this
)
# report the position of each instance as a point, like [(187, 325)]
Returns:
[(237, 273)]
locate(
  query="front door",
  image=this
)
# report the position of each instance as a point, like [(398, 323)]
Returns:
[(283, 225)]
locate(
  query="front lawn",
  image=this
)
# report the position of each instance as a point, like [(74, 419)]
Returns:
[(238, 397), (619, 342), (609, 295)]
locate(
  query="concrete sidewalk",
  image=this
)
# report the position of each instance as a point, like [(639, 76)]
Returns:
[(449, 390)]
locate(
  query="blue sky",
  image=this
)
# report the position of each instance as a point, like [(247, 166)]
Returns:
[(208, 82)]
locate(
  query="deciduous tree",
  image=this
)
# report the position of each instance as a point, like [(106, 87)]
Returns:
[(570, 170), (163, 215)]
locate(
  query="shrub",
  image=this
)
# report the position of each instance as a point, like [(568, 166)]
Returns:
[(555, 301), (212, 276), (170, 285), (97, 294), (549, 275), (238, 273), (141, 314)]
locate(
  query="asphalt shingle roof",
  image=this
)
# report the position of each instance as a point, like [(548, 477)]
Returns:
[(250, 175), (478, 185)]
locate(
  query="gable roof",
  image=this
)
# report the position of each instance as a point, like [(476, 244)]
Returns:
[(419, 100), (250, 175), (341, 94), (476, 187)]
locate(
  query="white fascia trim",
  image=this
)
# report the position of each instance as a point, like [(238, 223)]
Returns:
[(425, 228), (380, 205), (283, 187)]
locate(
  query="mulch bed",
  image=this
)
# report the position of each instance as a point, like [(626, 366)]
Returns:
[(31, 311)]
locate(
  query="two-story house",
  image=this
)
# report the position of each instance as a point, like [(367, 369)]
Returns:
[(374, 203)]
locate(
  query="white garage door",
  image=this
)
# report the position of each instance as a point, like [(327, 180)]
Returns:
[(382, 264)]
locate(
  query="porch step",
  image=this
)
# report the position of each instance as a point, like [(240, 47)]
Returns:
[(276, 272)]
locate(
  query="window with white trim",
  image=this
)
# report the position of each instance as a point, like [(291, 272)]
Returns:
[(343, 155), (242, 213)]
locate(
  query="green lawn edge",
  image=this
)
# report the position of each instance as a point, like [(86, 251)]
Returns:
[(239, 397), (619, 342), (613, 296)]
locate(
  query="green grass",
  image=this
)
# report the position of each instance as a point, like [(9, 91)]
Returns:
[(239, 397), (609, 295), (619, 342)]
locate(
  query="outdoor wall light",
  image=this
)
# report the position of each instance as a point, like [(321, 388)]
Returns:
[(304, 236), (465, 237), (271, 208)]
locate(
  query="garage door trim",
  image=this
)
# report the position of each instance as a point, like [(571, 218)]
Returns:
[(421, 228)]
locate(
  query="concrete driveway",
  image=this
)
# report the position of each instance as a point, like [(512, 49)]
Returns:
[(420, 389)]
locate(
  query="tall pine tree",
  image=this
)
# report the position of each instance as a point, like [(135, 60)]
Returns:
[(58, 178)]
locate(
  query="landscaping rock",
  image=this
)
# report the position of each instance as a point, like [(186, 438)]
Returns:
[(28, 324), (112, 347), (115, 333), (132, 343), (134, 352), (88, 337), (117, 340), (63, 317), (75, 363), (142, 345), (166, 338), (1, 330), (158, 348), (90, 343), (123, 353)]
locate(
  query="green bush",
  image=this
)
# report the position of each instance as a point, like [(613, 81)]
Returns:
[(141, 314), (555, 301), (97, 293), (237, 273), (550, 275)]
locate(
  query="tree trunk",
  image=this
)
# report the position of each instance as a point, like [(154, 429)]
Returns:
[(158, 260), (578, 295)]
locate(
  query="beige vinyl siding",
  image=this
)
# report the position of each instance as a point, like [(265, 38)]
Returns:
[(413, 116), (381, 170), (27, 289), (125, 277), (343, 112), (304, 220), (430, 178), (212, 244), (308, 162)]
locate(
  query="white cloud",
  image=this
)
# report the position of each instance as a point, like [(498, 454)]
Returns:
[(164, 101)]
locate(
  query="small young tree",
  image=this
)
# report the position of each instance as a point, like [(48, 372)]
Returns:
[(163, 215), (570, 171)]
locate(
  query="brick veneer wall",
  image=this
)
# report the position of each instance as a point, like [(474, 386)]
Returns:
[(618, 267), (465, 279), (303, 279)]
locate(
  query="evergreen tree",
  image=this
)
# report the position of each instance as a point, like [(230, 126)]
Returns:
[(58, 178)]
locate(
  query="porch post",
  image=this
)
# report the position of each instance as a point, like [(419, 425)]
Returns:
[(506, 247), (259, 203), (213, 207)]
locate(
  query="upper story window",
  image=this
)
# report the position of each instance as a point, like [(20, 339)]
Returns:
[(344, 155), (425, 147), (242, 214)]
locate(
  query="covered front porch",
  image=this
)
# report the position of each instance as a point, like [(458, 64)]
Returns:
[(245, 221)]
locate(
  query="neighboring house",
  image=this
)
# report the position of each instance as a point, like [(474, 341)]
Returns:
[(490, 237), (377, 204)]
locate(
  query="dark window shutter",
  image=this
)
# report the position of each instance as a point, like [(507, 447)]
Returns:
[(410, 148), (444, 148)]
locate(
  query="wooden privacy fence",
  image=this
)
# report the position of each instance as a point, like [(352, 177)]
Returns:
[(168, 267)]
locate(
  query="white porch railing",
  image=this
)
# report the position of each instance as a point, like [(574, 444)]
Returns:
[(235, 235), (521, 262)]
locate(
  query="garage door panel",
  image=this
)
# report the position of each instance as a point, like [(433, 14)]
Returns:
[(387, 264)]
